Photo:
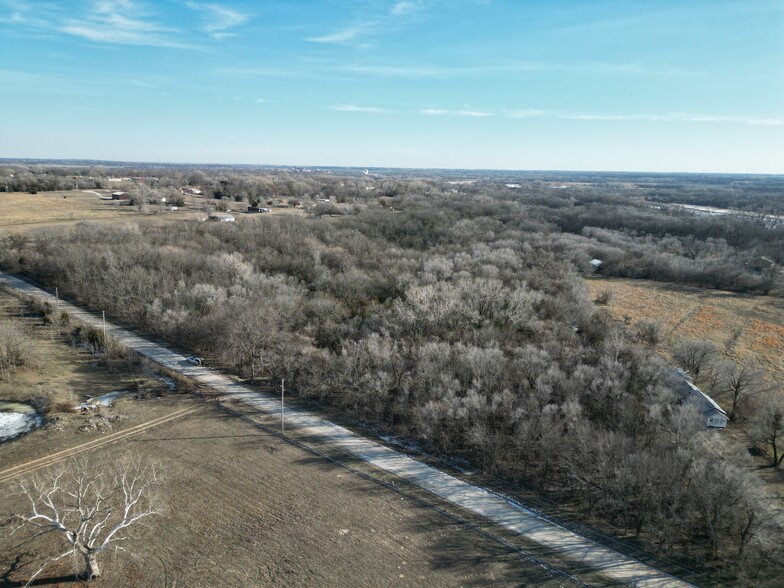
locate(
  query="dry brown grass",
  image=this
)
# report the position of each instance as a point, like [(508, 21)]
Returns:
[(60, 378), (22, 212), (18, 208), (743, 326), (242, 507)]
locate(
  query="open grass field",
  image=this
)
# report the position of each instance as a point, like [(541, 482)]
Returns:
[(20, 211), (19, 208), (743, 326), (242, 507), (23, 212)]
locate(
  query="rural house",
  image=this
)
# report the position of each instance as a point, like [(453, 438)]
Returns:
[(714, 415), (120, 196)]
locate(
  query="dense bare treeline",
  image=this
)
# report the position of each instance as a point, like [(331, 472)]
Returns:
[(752, 193), (626, 220), (457, 317)]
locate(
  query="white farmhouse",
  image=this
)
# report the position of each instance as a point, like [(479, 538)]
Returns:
[(714, 415)]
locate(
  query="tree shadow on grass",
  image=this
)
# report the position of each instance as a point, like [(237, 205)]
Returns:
[(198, 438), (53, 581), (253, 437), (13, 566), (452, 544)]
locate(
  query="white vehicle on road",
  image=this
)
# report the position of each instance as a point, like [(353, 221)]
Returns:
[(195, 360)]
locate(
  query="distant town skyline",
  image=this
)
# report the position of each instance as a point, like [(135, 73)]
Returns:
[(659, 86)]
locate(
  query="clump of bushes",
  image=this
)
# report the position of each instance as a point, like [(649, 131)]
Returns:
[(16, 348)]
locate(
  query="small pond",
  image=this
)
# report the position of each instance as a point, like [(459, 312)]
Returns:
[(16, 419)]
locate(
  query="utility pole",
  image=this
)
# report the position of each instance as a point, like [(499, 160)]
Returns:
[(104, 326), (282, 395), (57, 297)]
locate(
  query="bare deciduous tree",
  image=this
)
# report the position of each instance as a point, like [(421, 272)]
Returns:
[(693, 355), (251, 341), (770, 277), (767, 424), (16, 241), (15, 348), (89, 505), (649, 333), (738, 382)]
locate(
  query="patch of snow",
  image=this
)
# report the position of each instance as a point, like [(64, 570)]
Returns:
[(13, 424), (103, 400), (171, 385)]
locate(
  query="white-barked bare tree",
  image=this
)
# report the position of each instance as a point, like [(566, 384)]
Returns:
[(90, 505)]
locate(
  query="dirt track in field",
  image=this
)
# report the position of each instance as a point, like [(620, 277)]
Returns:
[(245, 508), (53, 458)]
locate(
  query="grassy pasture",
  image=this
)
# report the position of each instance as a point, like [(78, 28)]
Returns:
[(743, 326), (23, 212), (21, 208)]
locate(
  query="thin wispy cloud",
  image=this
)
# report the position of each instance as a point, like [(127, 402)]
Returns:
[(122, 22), (282, 72), (768, 122), (472, 113), (14, 12), (24, 12), (259, 72), (344, 36), (663, 117), (482, 70), (218, 19), (371, 24), (445, 112), (10, 77), (355, 108), (393, 71), (104, 83), (530, 113), (425, 111), (404, 7)]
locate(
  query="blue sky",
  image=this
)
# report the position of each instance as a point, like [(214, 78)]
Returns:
[(613, 85)]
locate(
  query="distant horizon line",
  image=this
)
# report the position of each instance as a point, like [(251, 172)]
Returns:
[(126, 163)]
